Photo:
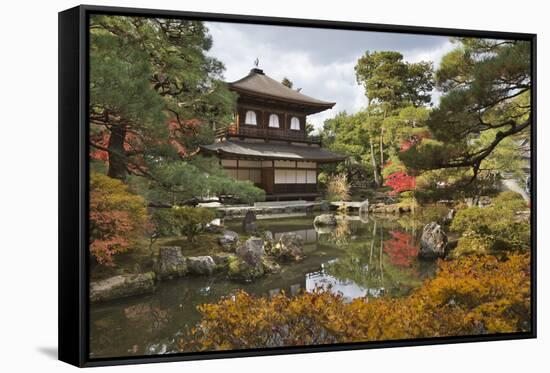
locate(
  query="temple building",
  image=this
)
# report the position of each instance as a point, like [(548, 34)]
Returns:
[(267, 143)]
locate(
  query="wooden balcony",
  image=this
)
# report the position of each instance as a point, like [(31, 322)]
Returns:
[(266, 134)]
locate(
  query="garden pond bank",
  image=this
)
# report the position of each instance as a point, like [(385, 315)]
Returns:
[(360, 257)]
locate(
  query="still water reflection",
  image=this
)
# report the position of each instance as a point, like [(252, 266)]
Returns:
[(360, 258)]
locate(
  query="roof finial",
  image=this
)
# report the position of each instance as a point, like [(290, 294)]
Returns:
[(255, 69)]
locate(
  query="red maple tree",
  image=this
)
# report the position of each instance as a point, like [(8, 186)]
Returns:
[(400, 182)]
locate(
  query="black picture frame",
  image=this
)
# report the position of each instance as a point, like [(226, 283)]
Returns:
[(74, 183)]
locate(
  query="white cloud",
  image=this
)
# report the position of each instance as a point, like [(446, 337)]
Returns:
[(320, 75)]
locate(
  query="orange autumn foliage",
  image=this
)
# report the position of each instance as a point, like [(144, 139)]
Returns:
[(116, 217), (469, 296)]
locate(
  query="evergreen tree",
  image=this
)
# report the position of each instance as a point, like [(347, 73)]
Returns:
[(153, 91), (155, 96), (486, 88), (391, 84)]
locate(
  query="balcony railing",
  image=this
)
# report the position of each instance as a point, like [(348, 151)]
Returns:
[(267, 134)]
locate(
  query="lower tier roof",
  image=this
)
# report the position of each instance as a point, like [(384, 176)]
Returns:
[(272, 150)]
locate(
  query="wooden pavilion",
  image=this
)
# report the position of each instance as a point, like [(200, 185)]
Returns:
[(267, 143)]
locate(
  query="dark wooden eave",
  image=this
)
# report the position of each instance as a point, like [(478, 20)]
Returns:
[(271, 151)]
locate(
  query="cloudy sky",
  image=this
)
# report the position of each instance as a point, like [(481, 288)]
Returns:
[(319, 61)]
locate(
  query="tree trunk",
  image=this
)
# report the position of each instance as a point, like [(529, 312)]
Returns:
[(117, 158), (374, 165), (382, 147), (382, 141)]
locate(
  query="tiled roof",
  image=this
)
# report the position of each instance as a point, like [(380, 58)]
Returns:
[(256, 82), (273, 150)]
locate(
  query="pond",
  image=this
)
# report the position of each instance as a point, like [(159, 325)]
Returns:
[(362, 257)]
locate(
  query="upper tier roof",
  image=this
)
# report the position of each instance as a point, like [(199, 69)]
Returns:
[(256, 83)]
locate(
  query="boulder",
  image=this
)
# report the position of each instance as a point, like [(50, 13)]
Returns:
[(249, 222), (221, 259), (215, 226), (269, 240), (325, 229), (433, 242), (270, 266), (228, 239), (325, 219), (122, 286), (290, 246), (252, 251), (268, 236), (201, 265), (170, 263), (238, 269)]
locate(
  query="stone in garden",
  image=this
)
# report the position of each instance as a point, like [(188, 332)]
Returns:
[(249, 222), (269, 241), (448, 219), (122, 286), (270, 266), (201, 265), (324, 206), (221, 259), (433, 242), (239, 269), (290, 246), (228, 239), (325, 219), (252, 251), (268, 236), (215, 226), (324, 229), (170, 263)]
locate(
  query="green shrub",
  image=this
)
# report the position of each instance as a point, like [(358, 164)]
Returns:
[(494, 228), (185, 221)]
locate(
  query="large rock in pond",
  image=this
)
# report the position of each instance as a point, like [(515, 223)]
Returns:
[(270, 266), (201, 265), (122, 286), (252, 251), (249, 222), (228, 240), (325, 219), (170, 263), (239, 269), (290, 246), (433, 242)]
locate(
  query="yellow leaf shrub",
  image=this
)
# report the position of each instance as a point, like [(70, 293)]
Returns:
[(470, 296)]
